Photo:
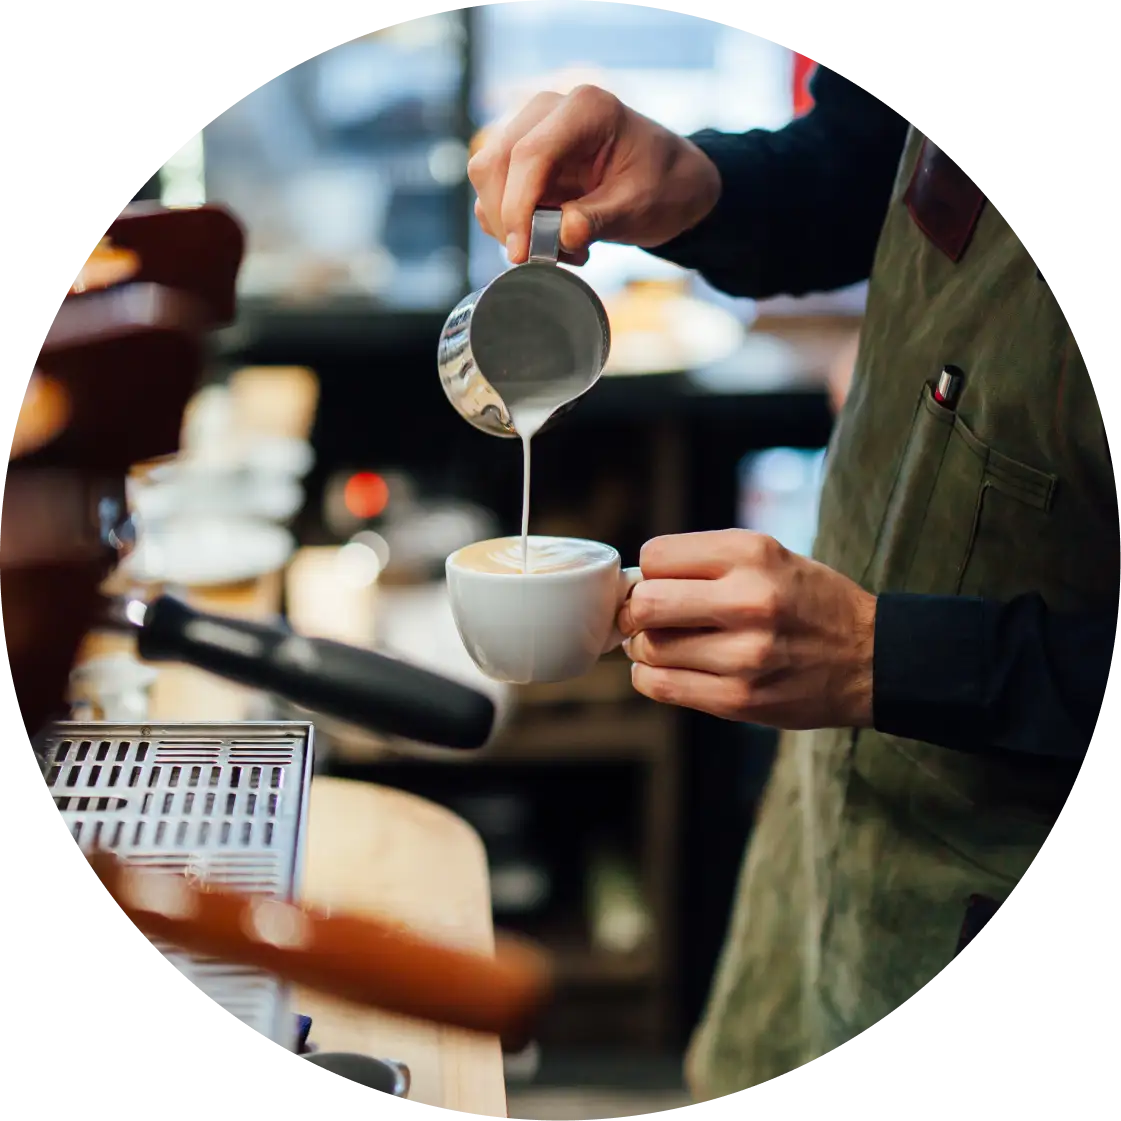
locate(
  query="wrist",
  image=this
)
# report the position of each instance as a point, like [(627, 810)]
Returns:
[(859, 691), (702, 195), (709, 184)]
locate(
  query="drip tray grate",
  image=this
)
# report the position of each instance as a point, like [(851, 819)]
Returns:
[(224, 803)]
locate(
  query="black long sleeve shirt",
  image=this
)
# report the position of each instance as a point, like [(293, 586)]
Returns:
[(801, 211)]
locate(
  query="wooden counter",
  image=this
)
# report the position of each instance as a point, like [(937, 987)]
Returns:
[(381, 851), (377, 851)]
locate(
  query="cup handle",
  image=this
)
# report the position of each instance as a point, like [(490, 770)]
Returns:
[(628, 578)]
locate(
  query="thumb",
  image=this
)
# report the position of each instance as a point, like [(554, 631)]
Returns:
[(594, 217)]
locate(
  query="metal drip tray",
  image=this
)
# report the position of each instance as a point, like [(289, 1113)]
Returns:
[(226, 803)]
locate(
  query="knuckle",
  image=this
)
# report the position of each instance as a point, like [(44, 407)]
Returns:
[(735, 597), (756, 548), (740, 696), (544, 99), (652, 648), (753, 605), (768, 602), (771, 551), (733, 546), (760, 547), (644, 606), (758, 650), (660, 686), (652, 553), (480, 165), (591, 97), (748, 600), (531, 149)]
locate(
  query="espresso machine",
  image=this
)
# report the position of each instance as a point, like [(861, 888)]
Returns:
[(211, 814)]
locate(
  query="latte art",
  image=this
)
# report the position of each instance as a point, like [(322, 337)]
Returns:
[(503, 555)]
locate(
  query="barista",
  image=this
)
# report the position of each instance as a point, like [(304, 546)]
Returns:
[(938, 666)]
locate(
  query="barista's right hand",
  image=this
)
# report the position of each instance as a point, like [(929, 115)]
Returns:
[(616, 175)]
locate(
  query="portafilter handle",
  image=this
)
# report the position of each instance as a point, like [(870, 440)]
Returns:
[(380, 694)]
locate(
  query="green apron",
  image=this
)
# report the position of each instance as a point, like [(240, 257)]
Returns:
[(867, 848)]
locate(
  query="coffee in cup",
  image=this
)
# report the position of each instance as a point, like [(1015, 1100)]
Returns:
[(550, 620)]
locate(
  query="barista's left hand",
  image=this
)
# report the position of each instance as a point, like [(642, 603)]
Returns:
[(732, 624)]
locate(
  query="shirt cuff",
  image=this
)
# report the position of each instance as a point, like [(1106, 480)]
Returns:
[(928, 672)]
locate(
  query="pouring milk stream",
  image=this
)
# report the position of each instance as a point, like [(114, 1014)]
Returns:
[(517, 352)]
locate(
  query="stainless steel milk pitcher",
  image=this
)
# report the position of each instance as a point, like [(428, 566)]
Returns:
[(536, 330)]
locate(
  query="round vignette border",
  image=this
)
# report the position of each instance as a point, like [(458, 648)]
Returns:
[(998, 144)]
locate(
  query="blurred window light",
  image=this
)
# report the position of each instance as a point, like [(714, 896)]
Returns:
[(348, 172), (447, 162), (684, 72)]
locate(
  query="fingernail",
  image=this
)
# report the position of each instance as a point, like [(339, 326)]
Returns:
[(627, 646), (511, 246)]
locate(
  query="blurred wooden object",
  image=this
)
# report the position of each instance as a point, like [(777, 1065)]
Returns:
[(278, 401), (43, 414), (128, 359), (107, 266), (343, 952), (110, 384), (195, 250), (382, 852)]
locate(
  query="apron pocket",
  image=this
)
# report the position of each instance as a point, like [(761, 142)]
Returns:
[(1020, 512), (907, 525)]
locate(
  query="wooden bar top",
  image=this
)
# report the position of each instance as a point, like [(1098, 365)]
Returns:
[(394, 855)]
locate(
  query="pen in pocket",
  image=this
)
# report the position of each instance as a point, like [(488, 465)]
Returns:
[(948, 389)]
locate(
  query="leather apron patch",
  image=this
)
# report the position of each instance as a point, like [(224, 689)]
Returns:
[(943, 201)]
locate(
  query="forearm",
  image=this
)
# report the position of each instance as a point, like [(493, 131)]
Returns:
[(981, 676), (801, 208)]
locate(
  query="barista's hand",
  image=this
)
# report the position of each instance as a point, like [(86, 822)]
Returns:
[(733, 624), (616, 175)]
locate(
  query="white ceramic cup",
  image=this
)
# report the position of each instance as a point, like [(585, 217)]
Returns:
[(540, 626)]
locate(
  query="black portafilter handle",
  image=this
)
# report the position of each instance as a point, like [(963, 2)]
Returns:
[(376, 693)]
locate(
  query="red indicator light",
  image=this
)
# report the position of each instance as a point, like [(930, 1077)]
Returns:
[(366, 495)]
